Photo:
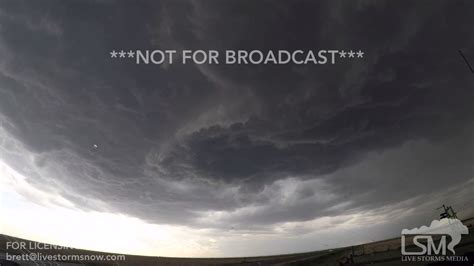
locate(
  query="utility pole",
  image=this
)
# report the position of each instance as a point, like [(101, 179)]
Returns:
[(448, 212)]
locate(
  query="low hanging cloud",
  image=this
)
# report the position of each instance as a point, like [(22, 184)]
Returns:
[(236, 146)]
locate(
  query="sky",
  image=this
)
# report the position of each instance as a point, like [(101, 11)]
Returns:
[(232, 160)]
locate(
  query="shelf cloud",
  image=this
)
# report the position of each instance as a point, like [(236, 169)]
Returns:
[(246, 147)]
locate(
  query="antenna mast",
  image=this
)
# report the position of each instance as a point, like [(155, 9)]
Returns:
[(448, 212)]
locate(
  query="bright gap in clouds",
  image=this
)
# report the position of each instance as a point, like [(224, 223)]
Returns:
[(46, 222)]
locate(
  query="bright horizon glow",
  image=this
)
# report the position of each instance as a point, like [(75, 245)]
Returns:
[(46, 222), (69, 226), (100, 231)]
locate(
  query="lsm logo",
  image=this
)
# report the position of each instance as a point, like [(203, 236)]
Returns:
[(430, 243)]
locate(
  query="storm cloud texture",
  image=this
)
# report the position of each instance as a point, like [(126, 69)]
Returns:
[(242, 147)]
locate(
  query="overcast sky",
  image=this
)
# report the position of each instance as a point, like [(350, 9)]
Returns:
[(244, 160)]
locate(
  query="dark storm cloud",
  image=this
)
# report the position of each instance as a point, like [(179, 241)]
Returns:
[(176, 142)]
